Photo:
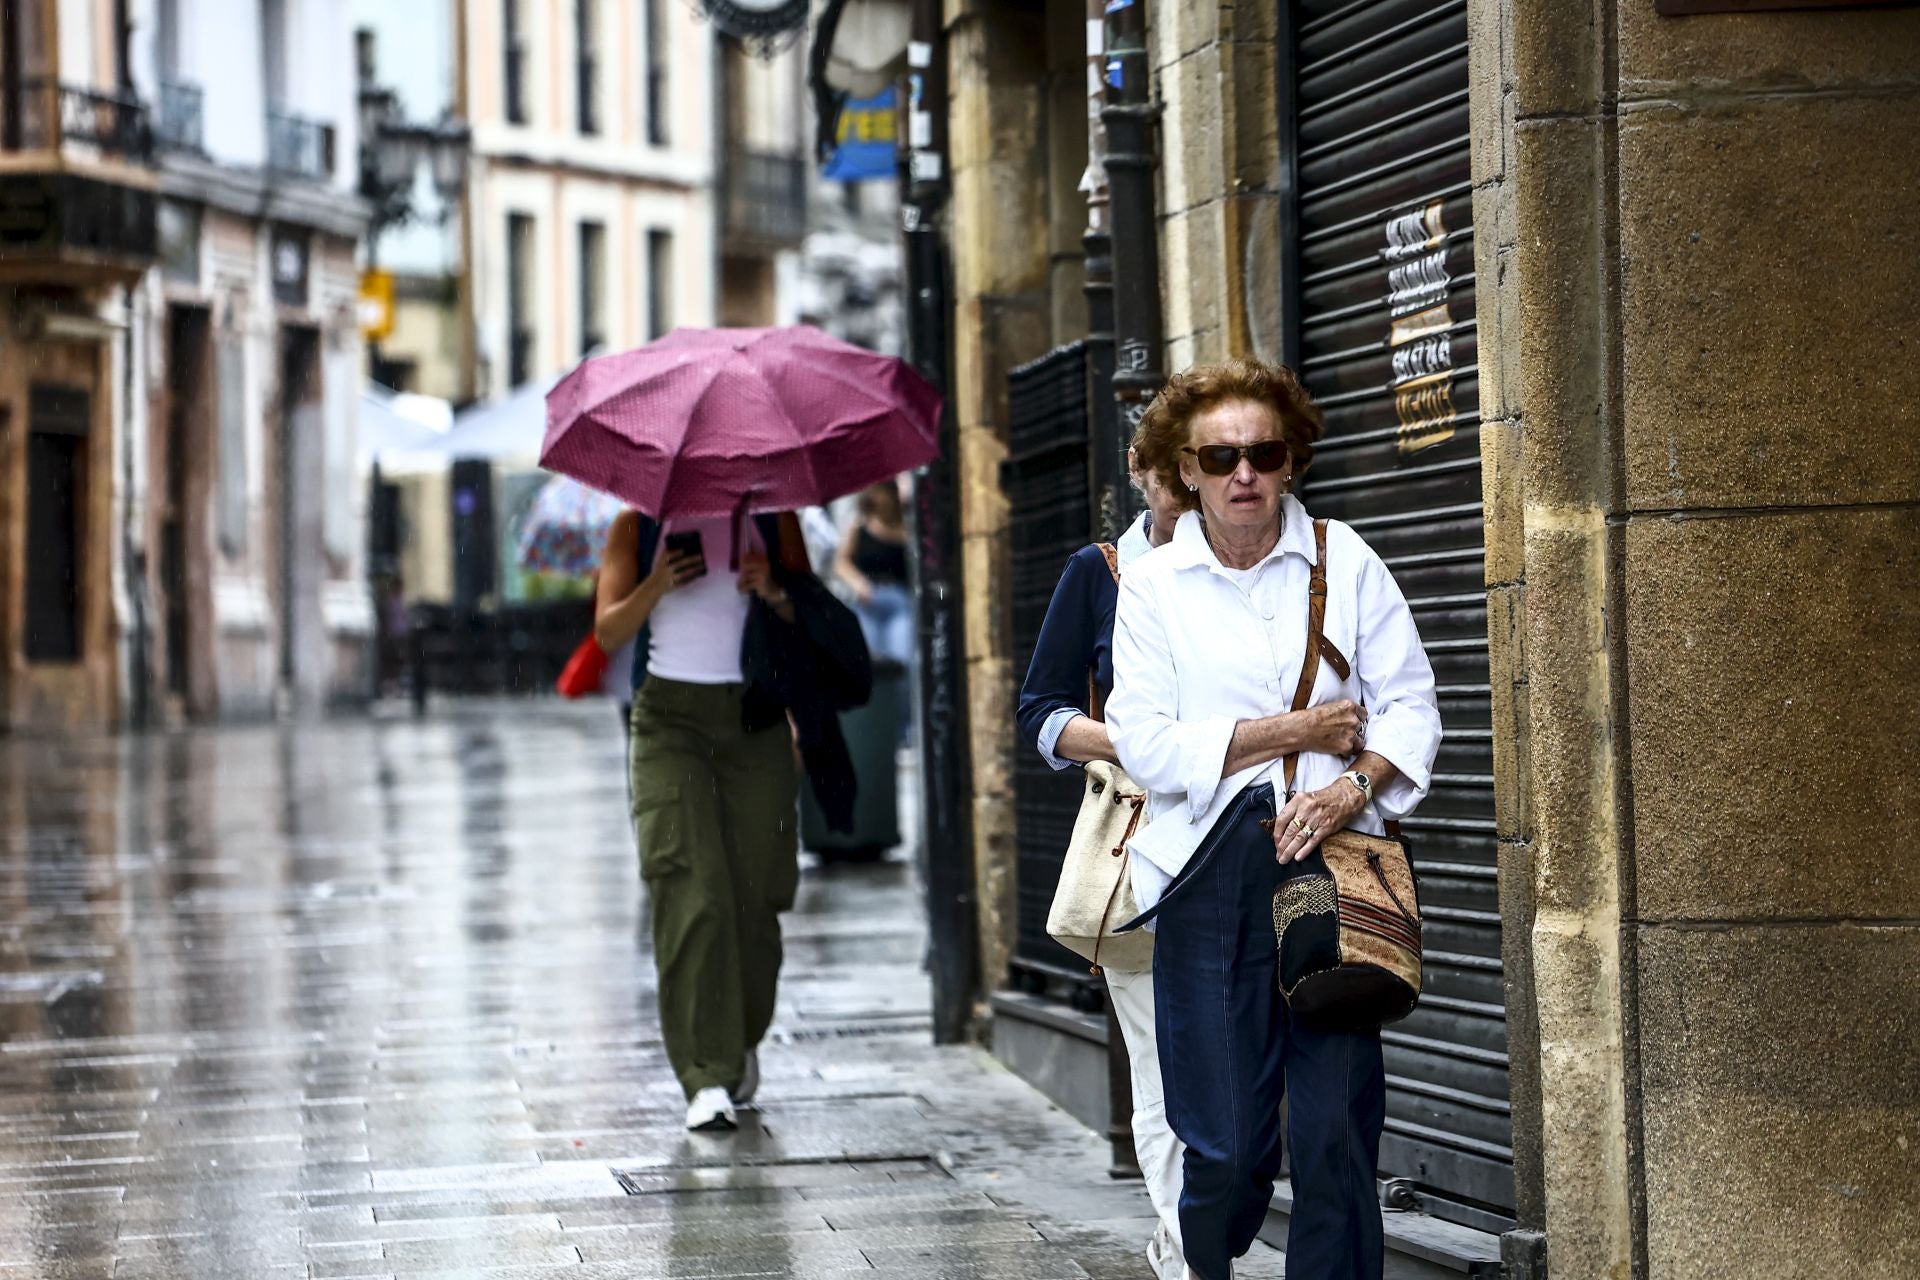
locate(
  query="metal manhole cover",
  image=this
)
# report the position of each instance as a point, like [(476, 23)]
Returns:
[(649, 1181)]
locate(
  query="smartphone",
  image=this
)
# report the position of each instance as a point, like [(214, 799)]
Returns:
[(687, 542)]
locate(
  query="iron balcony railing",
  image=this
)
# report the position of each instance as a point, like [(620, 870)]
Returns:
[(181, 124), (766, 196), (44, 115), (298, 147)]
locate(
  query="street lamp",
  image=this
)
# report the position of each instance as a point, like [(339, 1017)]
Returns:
[(392, 151)]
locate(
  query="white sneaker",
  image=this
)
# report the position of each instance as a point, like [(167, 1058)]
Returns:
[(749, 1080), (711, 1110), (1165, 1260)]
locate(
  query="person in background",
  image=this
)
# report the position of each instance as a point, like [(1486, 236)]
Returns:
[(1075, 644), (1209, 642), (872, 562), (715, 785), (822, 534)]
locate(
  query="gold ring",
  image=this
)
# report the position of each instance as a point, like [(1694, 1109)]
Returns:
[(1298, 825), (1309, 831)]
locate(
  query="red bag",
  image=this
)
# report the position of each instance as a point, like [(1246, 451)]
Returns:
[(584, 670)]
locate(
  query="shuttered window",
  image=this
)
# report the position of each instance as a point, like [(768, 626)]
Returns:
[(1379, 301)]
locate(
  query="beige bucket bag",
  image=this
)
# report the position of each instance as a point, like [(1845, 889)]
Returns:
[(1095, 892)]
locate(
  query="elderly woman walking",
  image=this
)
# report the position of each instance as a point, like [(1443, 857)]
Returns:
[(1072, 658), (1209, 644)]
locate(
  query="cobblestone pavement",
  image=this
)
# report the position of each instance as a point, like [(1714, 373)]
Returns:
[(370, 998)]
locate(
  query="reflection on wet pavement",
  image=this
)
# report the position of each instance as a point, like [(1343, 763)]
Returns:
[(371, 998)]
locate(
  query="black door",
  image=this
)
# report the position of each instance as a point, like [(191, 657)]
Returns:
[(299, 452), (186, 404), (474, 561), (59, 421), (1379, 295)]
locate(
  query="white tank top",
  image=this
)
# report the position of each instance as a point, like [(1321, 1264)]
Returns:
[(696, 631)]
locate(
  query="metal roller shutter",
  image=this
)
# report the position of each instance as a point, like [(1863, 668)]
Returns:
[(1380, 301), (1050, 503)]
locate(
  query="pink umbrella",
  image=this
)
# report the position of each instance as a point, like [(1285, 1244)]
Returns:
[(717, 422)]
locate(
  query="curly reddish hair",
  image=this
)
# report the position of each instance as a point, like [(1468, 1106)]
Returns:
[(1167, 426)]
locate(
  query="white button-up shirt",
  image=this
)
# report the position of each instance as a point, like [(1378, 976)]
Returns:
[(1198, 647)]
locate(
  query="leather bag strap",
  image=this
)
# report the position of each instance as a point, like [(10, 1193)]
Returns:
[(1096, 705), (1316, 621)]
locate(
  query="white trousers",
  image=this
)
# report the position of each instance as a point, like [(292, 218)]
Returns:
[(1162, 1155)]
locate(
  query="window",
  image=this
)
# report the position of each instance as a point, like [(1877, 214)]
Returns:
[(519, 297), (60, 419), (593, 286), (659, 283), (655, 16), (586, 25), (513, 43)]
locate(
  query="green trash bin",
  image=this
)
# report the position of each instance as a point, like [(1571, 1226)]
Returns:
[(873, 734)]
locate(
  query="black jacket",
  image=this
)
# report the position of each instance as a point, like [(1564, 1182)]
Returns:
[(812, 668)]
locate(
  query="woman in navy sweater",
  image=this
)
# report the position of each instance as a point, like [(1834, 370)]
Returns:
[(1076, 640)]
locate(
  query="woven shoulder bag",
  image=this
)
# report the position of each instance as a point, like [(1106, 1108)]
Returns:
[(1348, 927)]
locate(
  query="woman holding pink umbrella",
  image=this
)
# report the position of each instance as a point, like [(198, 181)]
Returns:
[(741, 653), (714, 786)]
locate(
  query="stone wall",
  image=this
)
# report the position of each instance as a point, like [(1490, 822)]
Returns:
[(998, 109), (1703, 490), (1213, 65)]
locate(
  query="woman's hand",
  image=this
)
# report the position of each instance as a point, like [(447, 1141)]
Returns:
[(756, 578), (1312, 816), (1334, 728), (671, 571)]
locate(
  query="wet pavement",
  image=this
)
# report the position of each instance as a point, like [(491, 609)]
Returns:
[(370, 998)]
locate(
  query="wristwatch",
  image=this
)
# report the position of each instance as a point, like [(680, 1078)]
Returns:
[(1361, 781)]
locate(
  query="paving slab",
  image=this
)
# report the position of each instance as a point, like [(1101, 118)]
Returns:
[(371, 997)]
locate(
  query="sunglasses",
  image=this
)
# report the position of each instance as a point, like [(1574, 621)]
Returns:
[(1224, 459)]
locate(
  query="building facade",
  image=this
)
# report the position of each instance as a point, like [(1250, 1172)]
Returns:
[(189, 534), (590, 217), (1577, 289)]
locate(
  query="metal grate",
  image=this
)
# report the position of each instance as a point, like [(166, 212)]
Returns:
[(1049, 495), (1383, 317)]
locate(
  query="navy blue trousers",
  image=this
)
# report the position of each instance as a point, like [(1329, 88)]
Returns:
[(1230, 1053)]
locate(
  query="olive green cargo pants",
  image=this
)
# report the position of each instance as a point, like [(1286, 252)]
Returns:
[(715, 816)]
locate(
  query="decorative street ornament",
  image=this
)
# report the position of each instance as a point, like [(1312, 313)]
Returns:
[(859, 52), (869, 46), (765, 26)]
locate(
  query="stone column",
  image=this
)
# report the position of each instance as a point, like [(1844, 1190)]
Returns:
[(1698, 283), (997, 75), (1769, 298), (1219, 173)]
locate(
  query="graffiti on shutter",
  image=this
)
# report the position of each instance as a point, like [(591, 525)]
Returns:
[(1422, 334)]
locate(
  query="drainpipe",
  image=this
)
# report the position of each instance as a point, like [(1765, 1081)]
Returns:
[(1130, 115), (946, 771), (1112, 494)]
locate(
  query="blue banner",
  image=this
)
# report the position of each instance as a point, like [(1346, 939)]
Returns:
[(867, 140)]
